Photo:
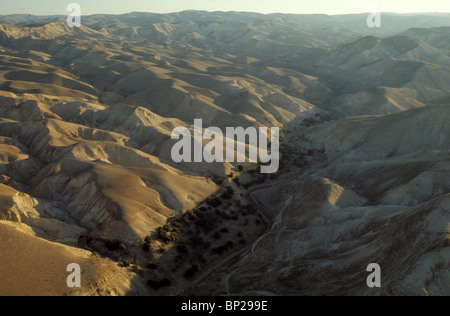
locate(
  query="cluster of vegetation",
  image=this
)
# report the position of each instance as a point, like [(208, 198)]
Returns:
[(205, 230), (115, 245), (213, 201), (148, 244), (169, 233), (135, 268), (202, 234), (221, 249), (228, 194)]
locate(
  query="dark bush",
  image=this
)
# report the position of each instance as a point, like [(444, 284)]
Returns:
[(217, 180), (206, 224), (182, 249), (168, 234), (223, 215), (197, 241), (147, 247), (157, 285), (220, 250), (225, 230), (189, 216), (177, 225), (152, 266), (226, 196), (217, 236), (251, 210), (179, 259), (230, 190), (191, 272), (115, 245), (213, 201)]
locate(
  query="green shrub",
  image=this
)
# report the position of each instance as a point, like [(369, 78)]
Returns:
[(167, 234), (189, 216)]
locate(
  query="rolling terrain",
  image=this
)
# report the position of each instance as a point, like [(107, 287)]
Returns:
[(86, 174)]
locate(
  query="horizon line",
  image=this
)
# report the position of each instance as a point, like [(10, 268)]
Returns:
[(231, 11)]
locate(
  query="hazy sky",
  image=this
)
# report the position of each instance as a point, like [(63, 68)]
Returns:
[(44, 7)]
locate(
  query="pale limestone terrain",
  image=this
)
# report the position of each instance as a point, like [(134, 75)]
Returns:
[(86, 117)]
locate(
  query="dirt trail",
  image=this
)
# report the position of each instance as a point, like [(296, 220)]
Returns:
[(276, 224)]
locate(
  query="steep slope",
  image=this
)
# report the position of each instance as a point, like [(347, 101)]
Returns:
[(383, 198)]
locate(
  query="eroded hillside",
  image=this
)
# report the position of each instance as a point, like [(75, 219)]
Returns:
[(86, 173)]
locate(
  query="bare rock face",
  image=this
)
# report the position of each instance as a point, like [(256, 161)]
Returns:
[(16, 206), (87, 177)]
